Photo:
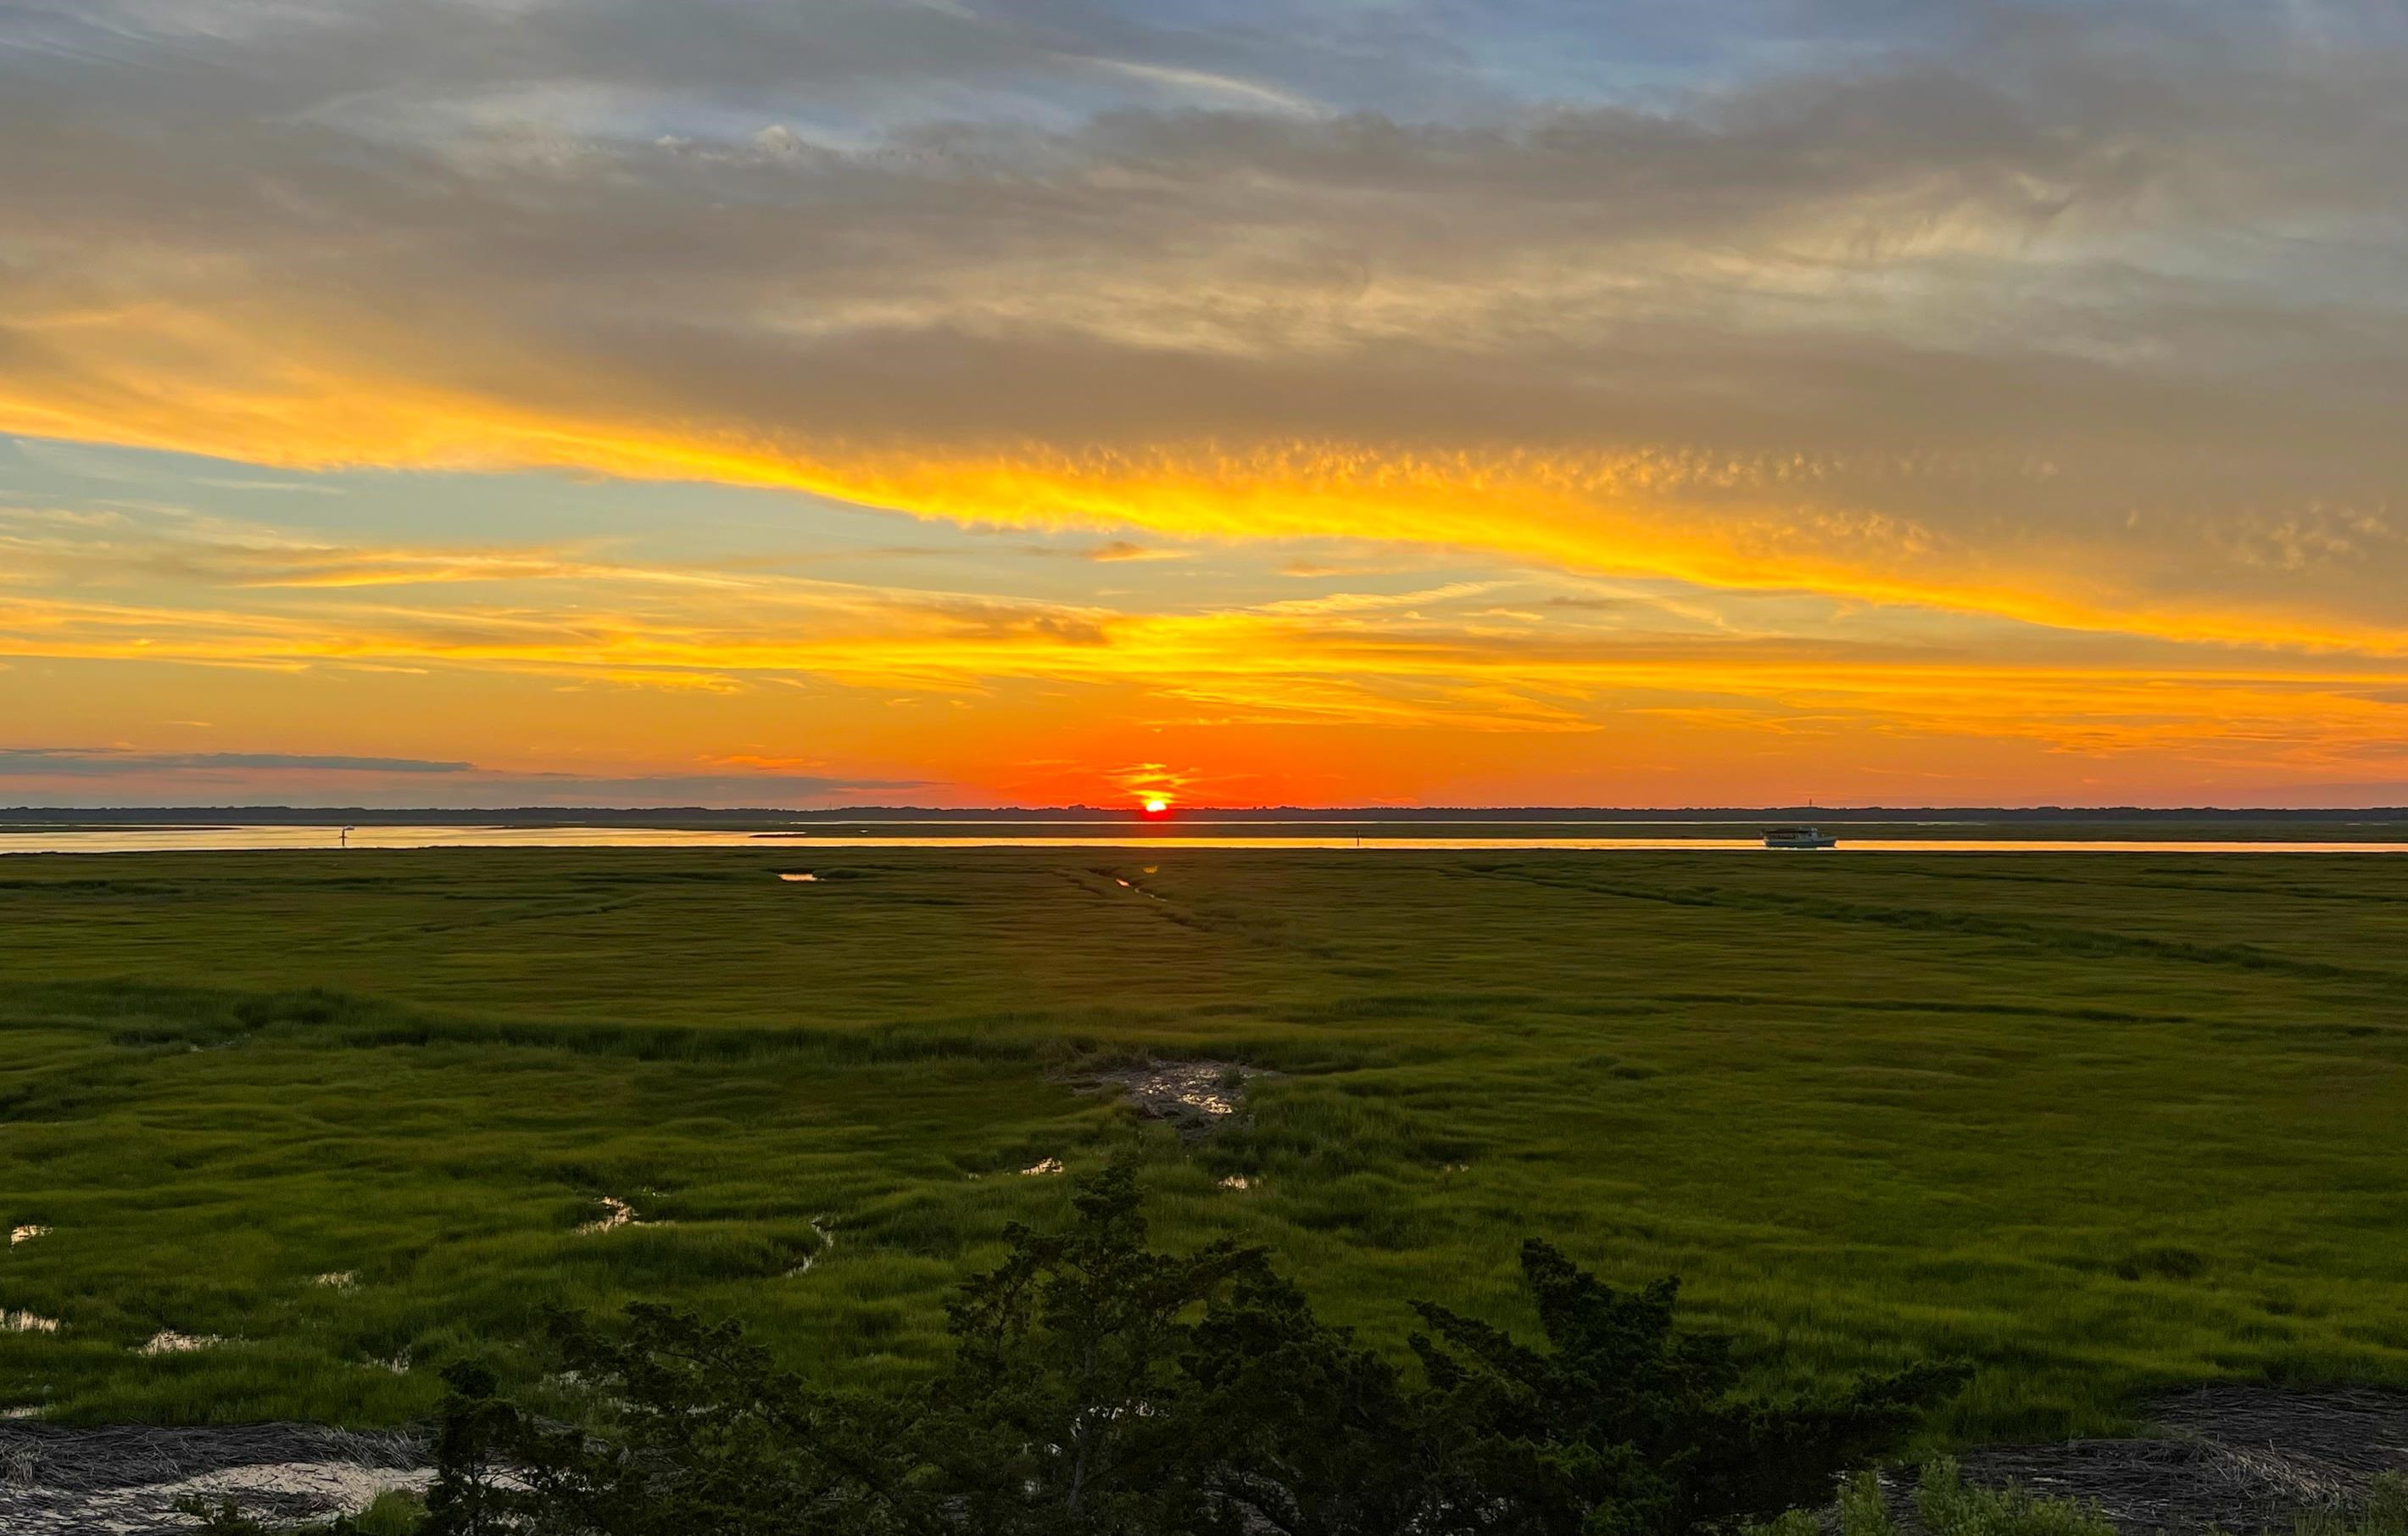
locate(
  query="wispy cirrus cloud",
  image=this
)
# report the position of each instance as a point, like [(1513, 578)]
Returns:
[(1534, 655), (62, 547)]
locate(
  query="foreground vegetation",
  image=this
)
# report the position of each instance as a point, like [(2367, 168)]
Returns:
[(1097, 1386), (2090, 1123)]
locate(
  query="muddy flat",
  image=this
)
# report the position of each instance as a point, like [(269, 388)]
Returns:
[(2229, 1456), (1195, 1097), (125, 1481)]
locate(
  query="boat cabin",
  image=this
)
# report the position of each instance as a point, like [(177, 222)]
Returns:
[(1800, 836)]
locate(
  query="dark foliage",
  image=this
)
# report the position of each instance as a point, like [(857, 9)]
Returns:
[(1101, 1389), (1628, 1424), (475, 1451)]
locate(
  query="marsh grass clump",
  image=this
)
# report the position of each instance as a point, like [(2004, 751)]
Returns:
[(2387, 1504), (1952, 1507), (2383, 1511), (2164, 1261), (1946, 1506), (1864, 1507), (393, 1512)]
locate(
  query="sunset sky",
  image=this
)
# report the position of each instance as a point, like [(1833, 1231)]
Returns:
[(1324, 402)]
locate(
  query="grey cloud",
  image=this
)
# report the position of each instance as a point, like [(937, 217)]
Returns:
[(1111, 552), (711, 784), (452, 784), (2120, 287), (975, 619), (494, 793), (107, 763)]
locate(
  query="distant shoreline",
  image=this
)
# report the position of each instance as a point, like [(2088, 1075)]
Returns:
[(257, 830), (2390, 818)]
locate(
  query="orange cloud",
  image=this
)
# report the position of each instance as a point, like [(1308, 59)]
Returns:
[(171, 380)]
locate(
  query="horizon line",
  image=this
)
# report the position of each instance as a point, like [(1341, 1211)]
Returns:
[(1132, 812)]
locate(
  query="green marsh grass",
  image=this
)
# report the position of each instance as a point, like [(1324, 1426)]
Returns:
[(2096, 1123)]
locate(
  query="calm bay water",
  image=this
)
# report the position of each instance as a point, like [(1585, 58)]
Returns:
[(132, 840)]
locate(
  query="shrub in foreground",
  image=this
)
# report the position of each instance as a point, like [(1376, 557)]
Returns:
[(1100, 1388)]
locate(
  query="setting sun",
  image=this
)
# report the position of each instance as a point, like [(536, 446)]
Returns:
[(1156, 806)]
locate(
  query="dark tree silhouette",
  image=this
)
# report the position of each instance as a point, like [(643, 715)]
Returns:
[(1100, 1388)]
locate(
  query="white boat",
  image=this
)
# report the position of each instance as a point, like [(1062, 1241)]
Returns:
[(1800, 836)]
